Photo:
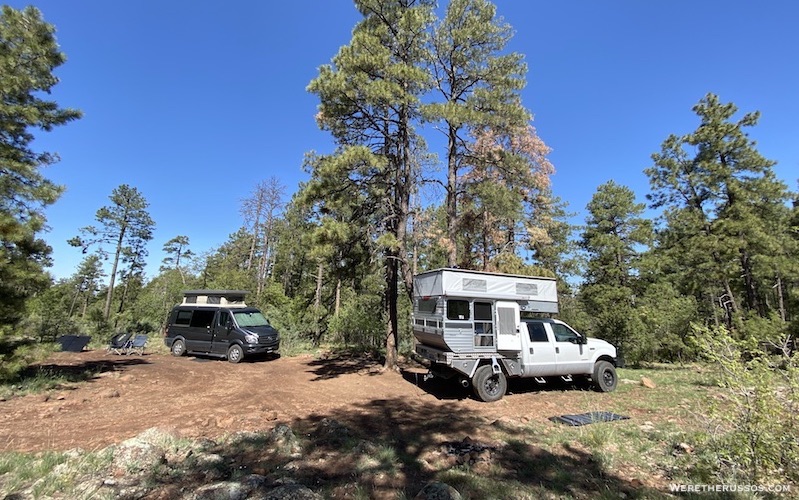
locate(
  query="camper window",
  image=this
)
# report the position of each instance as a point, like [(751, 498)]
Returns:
[(426, 305), (458, 309), (483, 324)]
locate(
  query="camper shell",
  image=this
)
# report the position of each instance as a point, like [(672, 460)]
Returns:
[(219, 323), (484, 327)]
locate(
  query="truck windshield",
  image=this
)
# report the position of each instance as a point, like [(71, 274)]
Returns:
[(250, 318)]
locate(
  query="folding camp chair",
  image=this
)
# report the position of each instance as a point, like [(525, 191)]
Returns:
[(137, 345), (119, 343)]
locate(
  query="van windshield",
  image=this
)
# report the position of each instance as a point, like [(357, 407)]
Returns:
[(251, 318)]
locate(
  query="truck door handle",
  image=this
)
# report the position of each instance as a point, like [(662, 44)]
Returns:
[(531, 350), (557, 350)]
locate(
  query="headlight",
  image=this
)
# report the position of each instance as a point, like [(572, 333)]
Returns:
[(251, 338)]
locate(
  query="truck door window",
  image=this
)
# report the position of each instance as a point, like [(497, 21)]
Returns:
[(483, 324), (563, 333), (537, 332), (458, 309)]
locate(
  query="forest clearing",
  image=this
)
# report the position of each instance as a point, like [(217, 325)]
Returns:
[(109, 399)]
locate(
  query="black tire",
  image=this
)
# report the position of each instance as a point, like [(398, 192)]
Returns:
[(489, 386), (235, 353), (604, 376), (178, 348)]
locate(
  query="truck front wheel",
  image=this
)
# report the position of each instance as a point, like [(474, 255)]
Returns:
[(604, 376), (489, 386)]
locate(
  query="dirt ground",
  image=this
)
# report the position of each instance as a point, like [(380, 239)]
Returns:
[(204, 397)]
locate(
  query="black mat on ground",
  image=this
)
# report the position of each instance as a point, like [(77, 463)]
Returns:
[(588, 418), (73, 343)]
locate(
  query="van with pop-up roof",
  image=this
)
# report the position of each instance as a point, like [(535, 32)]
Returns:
[(219, 323)]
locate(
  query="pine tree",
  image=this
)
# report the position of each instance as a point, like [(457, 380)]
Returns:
[(479, 85), (369, 100), (29, 54), (127, 226), (726, 213), (612, 240)]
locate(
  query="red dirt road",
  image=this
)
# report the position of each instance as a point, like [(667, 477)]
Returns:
[(199, 397)]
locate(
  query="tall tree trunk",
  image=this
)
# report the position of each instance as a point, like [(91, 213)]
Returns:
[(263, 267), (107, 308), (404, 193), (780, 299), (338, 297), (452, 197), (318, 302), (254, 241), (392, 327), (74, 301), (749, 284)]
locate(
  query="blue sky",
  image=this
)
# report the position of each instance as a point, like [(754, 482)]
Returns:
[(194, 103)]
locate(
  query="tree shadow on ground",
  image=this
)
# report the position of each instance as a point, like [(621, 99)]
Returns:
[(335, 364), (80, 372), (391, 448), (452, 389)]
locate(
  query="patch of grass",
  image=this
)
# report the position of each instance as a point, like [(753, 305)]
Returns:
[(37, 379), (71, 474)]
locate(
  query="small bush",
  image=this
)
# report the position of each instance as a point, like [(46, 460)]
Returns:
[(754, 426)]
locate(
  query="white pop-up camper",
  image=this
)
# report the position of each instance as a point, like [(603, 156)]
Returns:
[(484, 327)]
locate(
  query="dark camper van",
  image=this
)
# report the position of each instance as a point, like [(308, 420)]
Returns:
[(219, 323)]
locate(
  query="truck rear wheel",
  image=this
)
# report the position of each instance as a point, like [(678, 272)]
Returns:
[(604, 376), (489, 386)]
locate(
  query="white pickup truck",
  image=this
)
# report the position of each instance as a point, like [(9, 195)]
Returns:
[(479, 327)]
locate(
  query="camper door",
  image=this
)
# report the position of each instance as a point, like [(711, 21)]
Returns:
[(508, 334)]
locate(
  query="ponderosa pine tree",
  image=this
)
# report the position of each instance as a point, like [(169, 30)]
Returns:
[(127, 226), (29, 53), (725, 212), (506, 192), (480, 86), (613, 238), (86, 282), (369, 100)]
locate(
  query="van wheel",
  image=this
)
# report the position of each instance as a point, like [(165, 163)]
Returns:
[(235, 353), (178, 348), (489, 386), (604, 376)]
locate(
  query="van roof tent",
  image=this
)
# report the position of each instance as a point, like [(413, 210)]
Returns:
[(533, 293), (230, 298)]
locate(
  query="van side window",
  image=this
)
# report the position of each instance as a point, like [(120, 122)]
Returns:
[(202, 318), (537, 332), (183, 318), (224, 317), (563, 333), (458, 309)]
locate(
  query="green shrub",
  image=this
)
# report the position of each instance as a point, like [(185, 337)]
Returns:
[(754, 426)]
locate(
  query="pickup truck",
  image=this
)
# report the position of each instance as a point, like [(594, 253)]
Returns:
[(479, 327)]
